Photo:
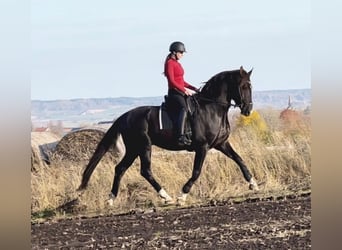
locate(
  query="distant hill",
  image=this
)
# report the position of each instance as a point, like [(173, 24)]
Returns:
[(278, 99), (104, 109)]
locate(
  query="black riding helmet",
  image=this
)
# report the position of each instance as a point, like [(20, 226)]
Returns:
[(177, 47)]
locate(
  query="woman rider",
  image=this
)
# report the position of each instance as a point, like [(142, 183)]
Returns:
[(178, 89)]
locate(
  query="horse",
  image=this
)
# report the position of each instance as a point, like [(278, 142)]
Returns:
[(139, 129)]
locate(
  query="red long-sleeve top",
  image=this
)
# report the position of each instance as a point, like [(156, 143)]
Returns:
[(174, 73)]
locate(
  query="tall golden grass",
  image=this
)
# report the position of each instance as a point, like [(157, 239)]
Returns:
[(276, 153)]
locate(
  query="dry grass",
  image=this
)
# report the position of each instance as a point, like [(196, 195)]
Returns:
[(279, 158), (40, 145)]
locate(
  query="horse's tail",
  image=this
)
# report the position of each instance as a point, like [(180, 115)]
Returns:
[(106, 142)]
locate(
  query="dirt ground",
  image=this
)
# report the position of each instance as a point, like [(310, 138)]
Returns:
[(282, 223)]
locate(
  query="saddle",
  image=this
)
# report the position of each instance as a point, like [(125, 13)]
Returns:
[(168, 117)]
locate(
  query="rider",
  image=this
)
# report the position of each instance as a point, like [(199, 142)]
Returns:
[(178, 89)]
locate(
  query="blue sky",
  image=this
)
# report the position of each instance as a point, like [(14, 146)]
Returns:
[(96, 49)]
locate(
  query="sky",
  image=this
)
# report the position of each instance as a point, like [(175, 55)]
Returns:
[(100, 49)]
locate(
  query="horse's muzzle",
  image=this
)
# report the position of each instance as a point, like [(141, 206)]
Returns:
[(247, 113), (246, 109)]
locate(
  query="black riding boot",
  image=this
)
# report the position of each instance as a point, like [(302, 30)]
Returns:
[(182, 139)]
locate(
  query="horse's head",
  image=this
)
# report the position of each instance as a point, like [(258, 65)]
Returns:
[(230, 85), (244, 98)]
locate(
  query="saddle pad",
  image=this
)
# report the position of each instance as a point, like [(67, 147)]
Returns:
[(165, 121)]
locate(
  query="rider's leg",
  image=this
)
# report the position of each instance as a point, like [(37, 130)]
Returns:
[(182, 139)]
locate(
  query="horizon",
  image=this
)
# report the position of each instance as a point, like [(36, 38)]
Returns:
[(137, 97), (82, 109)]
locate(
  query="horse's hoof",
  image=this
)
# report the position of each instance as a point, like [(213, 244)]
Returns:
[(110, 201), (181, 199), (181, 203), (170, 202), (167, 198), (253, 185)]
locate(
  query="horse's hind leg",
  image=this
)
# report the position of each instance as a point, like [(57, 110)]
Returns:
[(120, 169), (227, 149), (146, 172), (196, 171)]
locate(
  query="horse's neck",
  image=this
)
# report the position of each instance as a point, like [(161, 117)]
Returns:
[(220, 100), (215, 107)]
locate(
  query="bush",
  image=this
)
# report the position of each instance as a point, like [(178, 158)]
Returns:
[(255, 124)]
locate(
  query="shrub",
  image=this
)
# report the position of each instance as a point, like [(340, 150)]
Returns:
[(255, 124)]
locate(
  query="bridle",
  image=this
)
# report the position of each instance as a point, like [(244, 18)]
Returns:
[(226, 104), (242, 102)]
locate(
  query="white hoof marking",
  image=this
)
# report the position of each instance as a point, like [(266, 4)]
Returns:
[(181, 199), (168, 199), (253, 185), (111, 199)]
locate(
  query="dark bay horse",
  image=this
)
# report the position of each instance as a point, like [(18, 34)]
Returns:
[(139, 129)]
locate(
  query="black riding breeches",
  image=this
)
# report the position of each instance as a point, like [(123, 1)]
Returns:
[(177, 101)]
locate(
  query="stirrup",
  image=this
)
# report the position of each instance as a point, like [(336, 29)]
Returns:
[(183, 140)]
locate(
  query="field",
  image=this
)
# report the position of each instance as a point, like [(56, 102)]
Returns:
[(220, 212), (268, 224)]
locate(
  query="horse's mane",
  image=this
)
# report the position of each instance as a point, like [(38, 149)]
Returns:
[(213, 85)]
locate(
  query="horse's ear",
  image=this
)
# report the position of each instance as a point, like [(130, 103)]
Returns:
[(250, 72), (242, 71)]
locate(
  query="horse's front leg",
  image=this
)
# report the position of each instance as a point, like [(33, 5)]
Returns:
[(227, 149), (196, 171)]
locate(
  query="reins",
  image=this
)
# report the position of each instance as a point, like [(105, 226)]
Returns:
[(226, 104)]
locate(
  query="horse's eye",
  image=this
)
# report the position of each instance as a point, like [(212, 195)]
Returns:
[(247, 85)]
